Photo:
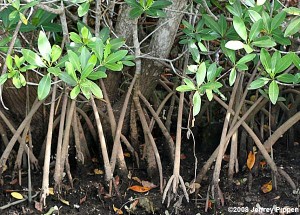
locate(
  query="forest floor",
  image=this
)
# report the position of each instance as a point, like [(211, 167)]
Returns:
[(90, 192)]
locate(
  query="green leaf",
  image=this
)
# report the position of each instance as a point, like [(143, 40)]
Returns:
[(248, 48), (96, 90), (258, 83), (234, 45), (212, 85), (44, 46), (202, 47), (264, 42), (104, 34), (9, 62), (184, 88), (212, 72), (117, 43), (209, 94), (201, 74), (255, 29), (75, 37), (160, 4), (16, 4), (54, 70), (278, 20), (246, 59), (266, 20), (99, 49), (74, 92), (265, 59), (74, 60), (240, 27), (83, 9), (87, 71), (13, 15), (232, 76), (3, 78), (222, 25), (19, 61), (135, 12), (115, 57), (55, 53), (189, 83), (188, 25), (23, 18), (212, 24), (97, 75), (194, 51), (274, 59), (292, 11), (283, 63), (254, 16), (128, 63), (70, 70), (286, 78), (273, 92), (84, 57), (296, 60), (86, 89), (196, 103), (32, 58), (191, 69), (114, 66), (85, 32), (44, 87), (65, 77), (132, 3), (293, 27), (18, 80), (242, 67)]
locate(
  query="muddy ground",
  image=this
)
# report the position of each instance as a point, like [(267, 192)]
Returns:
[(90, 192)]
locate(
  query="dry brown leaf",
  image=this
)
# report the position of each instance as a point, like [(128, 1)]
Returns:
[(98, 172), (82, 200), (250, 160), (267, 187), (117, 210), (17, 195), (262, 164), (51, 190), (27, 138), (148, 184), (182, 156), (136, 179), (14, 181), (134, 204), (38, 206), (139, 189), (127, 154)]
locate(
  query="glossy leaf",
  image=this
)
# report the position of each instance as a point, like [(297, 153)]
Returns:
[(246, 59), (83, 9), (184, 88), (194, 51), (54, 70), (71, 71), (3, 78), (32, 58), (201, 74), (74, 92), (135, 12), (232, 76), (283, 63), (44, 87), (278, 20), (196, 103), (234, 45), (212, 72), (211, 23), (65, 77), (117, 43), (254, 16), (9, 62), (44, 46), (265, 59), (209, 94), (240, 27), (293, 27), (23, 18), (75, 37), (55, 53), (264, 42), (114, 66), (116, 56), (160, 4), (74, 60), (255, 29), (97, 75), (258, 83), (273, 92), (189, 83), (286, 78), (97, 92), (292, 10)]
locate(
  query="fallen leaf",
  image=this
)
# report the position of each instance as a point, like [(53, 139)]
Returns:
[(65, 201), (148, 184), (267, 187), (94, 160), (182, 156), (82, 200), (4, 167), (226, 157), (51, 191), (16, 195), (139, 189), (136, 179), (14, 181), (277, 197), (262, 164), (27, 138), (98, 172), (117, 210), (250, 160), (209, 204), (38, 206), (134, 204), (127, 154), (117, 180)]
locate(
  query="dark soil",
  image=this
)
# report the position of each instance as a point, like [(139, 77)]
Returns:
[(89, 195)]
